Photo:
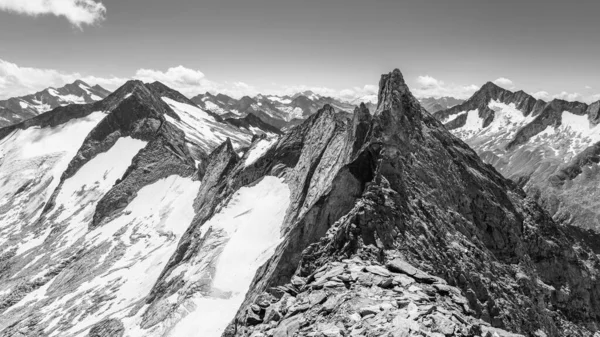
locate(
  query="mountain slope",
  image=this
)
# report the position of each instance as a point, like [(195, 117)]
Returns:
[(381, 224), (14, 110), (543, 145), (94, 199)]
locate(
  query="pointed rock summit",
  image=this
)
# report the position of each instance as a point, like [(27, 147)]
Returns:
[(394, 94)]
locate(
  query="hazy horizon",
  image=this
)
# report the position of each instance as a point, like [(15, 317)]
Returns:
[(337, 48)]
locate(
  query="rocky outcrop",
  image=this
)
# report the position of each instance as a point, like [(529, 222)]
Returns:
[(107, 328), (9, 117)]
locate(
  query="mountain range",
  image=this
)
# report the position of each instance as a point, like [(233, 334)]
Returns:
[(435, 104), (550, 148), (279, 111), (17, 109), (146, 214)]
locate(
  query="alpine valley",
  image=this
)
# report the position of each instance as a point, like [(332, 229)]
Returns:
[(144, 213)]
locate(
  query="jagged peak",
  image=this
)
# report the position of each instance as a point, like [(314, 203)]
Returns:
[(491, 85), (221, 159), (361, 112), (328, 108), (394, 95), (127, 88)]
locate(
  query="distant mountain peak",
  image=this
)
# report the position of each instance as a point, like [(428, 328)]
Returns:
[(28, 106)]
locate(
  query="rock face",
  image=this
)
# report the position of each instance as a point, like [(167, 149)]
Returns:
[(381, 224), (550, 149), (17, 109)]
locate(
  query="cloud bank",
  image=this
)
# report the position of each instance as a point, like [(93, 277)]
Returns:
[(16, 80), (504, 82), (567, 96), (427, 86), (78, 12)]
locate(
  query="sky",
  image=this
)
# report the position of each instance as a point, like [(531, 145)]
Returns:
[(340, 48)]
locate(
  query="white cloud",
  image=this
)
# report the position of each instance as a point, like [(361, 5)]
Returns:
[(429, 82), (588, 87), (187, 81), (191, 82), (544, 95), (504, 82), (18, 81), (78, 12), (428, 86), (348, 94), (575, 96)]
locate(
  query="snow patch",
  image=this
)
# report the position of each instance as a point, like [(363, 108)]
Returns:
[(202, 129), (80, 193), (247, 230), (32, 161), (214, 108), (472, 124), (146, 233), (258, 150), (453, 117)]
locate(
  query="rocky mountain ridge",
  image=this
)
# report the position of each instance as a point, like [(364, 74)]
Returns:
[(17, 109), (156, 218), (280, 111)]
